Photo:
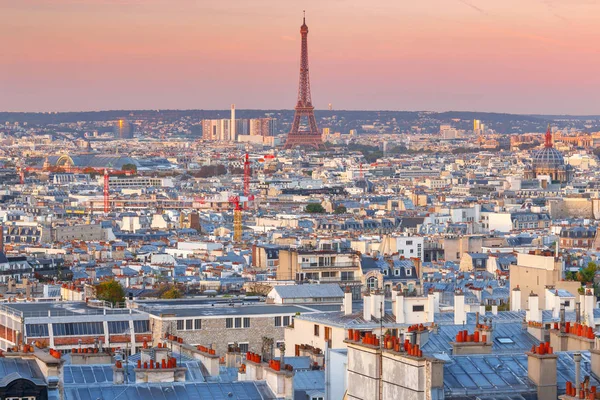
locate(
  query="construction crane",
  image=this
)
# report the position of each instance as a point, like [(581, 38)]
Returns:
[(21, 174), (246, 180), (237, 218), (106, 200)]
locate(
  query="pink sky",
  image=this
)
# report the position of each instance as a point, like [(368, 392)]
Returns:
[(523, 56)]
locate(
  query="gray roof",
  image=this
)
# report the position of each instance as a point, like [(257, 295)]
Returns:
[(15, 368), (496, 376), (440, 342), (173, 391), (269, 309), (307, 380), (330, 290)]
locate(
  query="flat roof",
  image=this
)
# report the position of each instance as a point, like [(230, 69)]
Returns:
[(239, 310), (60, 309)]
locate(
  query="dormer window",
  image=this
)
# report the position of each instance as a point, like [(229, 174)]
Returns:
[(408, 272)]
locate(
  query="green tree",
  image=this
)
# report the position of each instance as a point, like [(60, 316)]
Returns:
[(587, 274), (110, 291), (129, 167), (172, 293), (314, 208), (340, 210)]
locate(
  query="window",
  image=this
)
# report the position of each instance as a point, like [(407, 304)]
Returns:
[(348, 276), (78, 329), (188, 324), (228, 322), (118, 327), (396, 272), (418, 308), (141, 326), (180, 324), (243, 347), (197, 324), (36, 330), (246, 322), (238, 322), (277, 321), (372, 283), (504, 340), (408, 272), (279, 343), (327, 333), (286, 321), (316, 330)]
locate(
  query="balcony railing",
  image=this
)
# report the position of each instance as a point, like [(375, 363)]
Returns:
[(307, 265)]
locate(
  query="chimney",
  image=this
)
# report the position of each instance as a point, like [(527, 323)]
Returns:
[(460, 315), (494, 309), (430, 307), (533, 314), (1, 238), (367, 306), (541, 369), (399, 307), (515, 299), (595, 357), (481, 309), (348, 301), (377, 305), (590, 303), (436, 301), (577, 359)]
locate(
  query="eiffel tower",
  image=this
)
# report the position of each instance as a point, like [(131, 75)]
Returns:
[(304, 107)]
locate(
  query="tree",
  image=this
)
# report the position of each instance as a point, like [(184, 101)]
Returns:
[(314, 208), (587, 274), (172, 293), (110, 291), (129, 167), (340, 210)]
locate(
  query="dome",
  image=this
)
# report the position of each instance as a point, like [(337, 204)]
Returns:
[(548, 158)]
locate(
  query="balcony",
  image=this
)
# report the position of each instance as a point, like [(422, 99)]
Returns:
[(309, 266)]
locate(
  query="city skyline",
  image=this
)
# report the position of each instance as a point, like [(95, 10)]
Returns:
[(67, 55)]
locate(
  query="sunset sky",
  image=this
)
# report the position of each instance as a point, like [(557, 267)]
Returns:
[(522, 56)]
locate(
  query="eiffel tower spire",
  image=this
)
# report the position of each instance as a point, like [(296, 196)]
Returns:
[(304, 108)]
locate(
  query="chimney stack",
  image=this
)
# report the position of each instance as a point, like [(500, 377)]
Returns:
[(541, 369), (1, 238), (367, 306), (577, 359), (460, 315), (348, 301), (515, 299), (590, 303), (534, 314), (377, 305), (399, 307)]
